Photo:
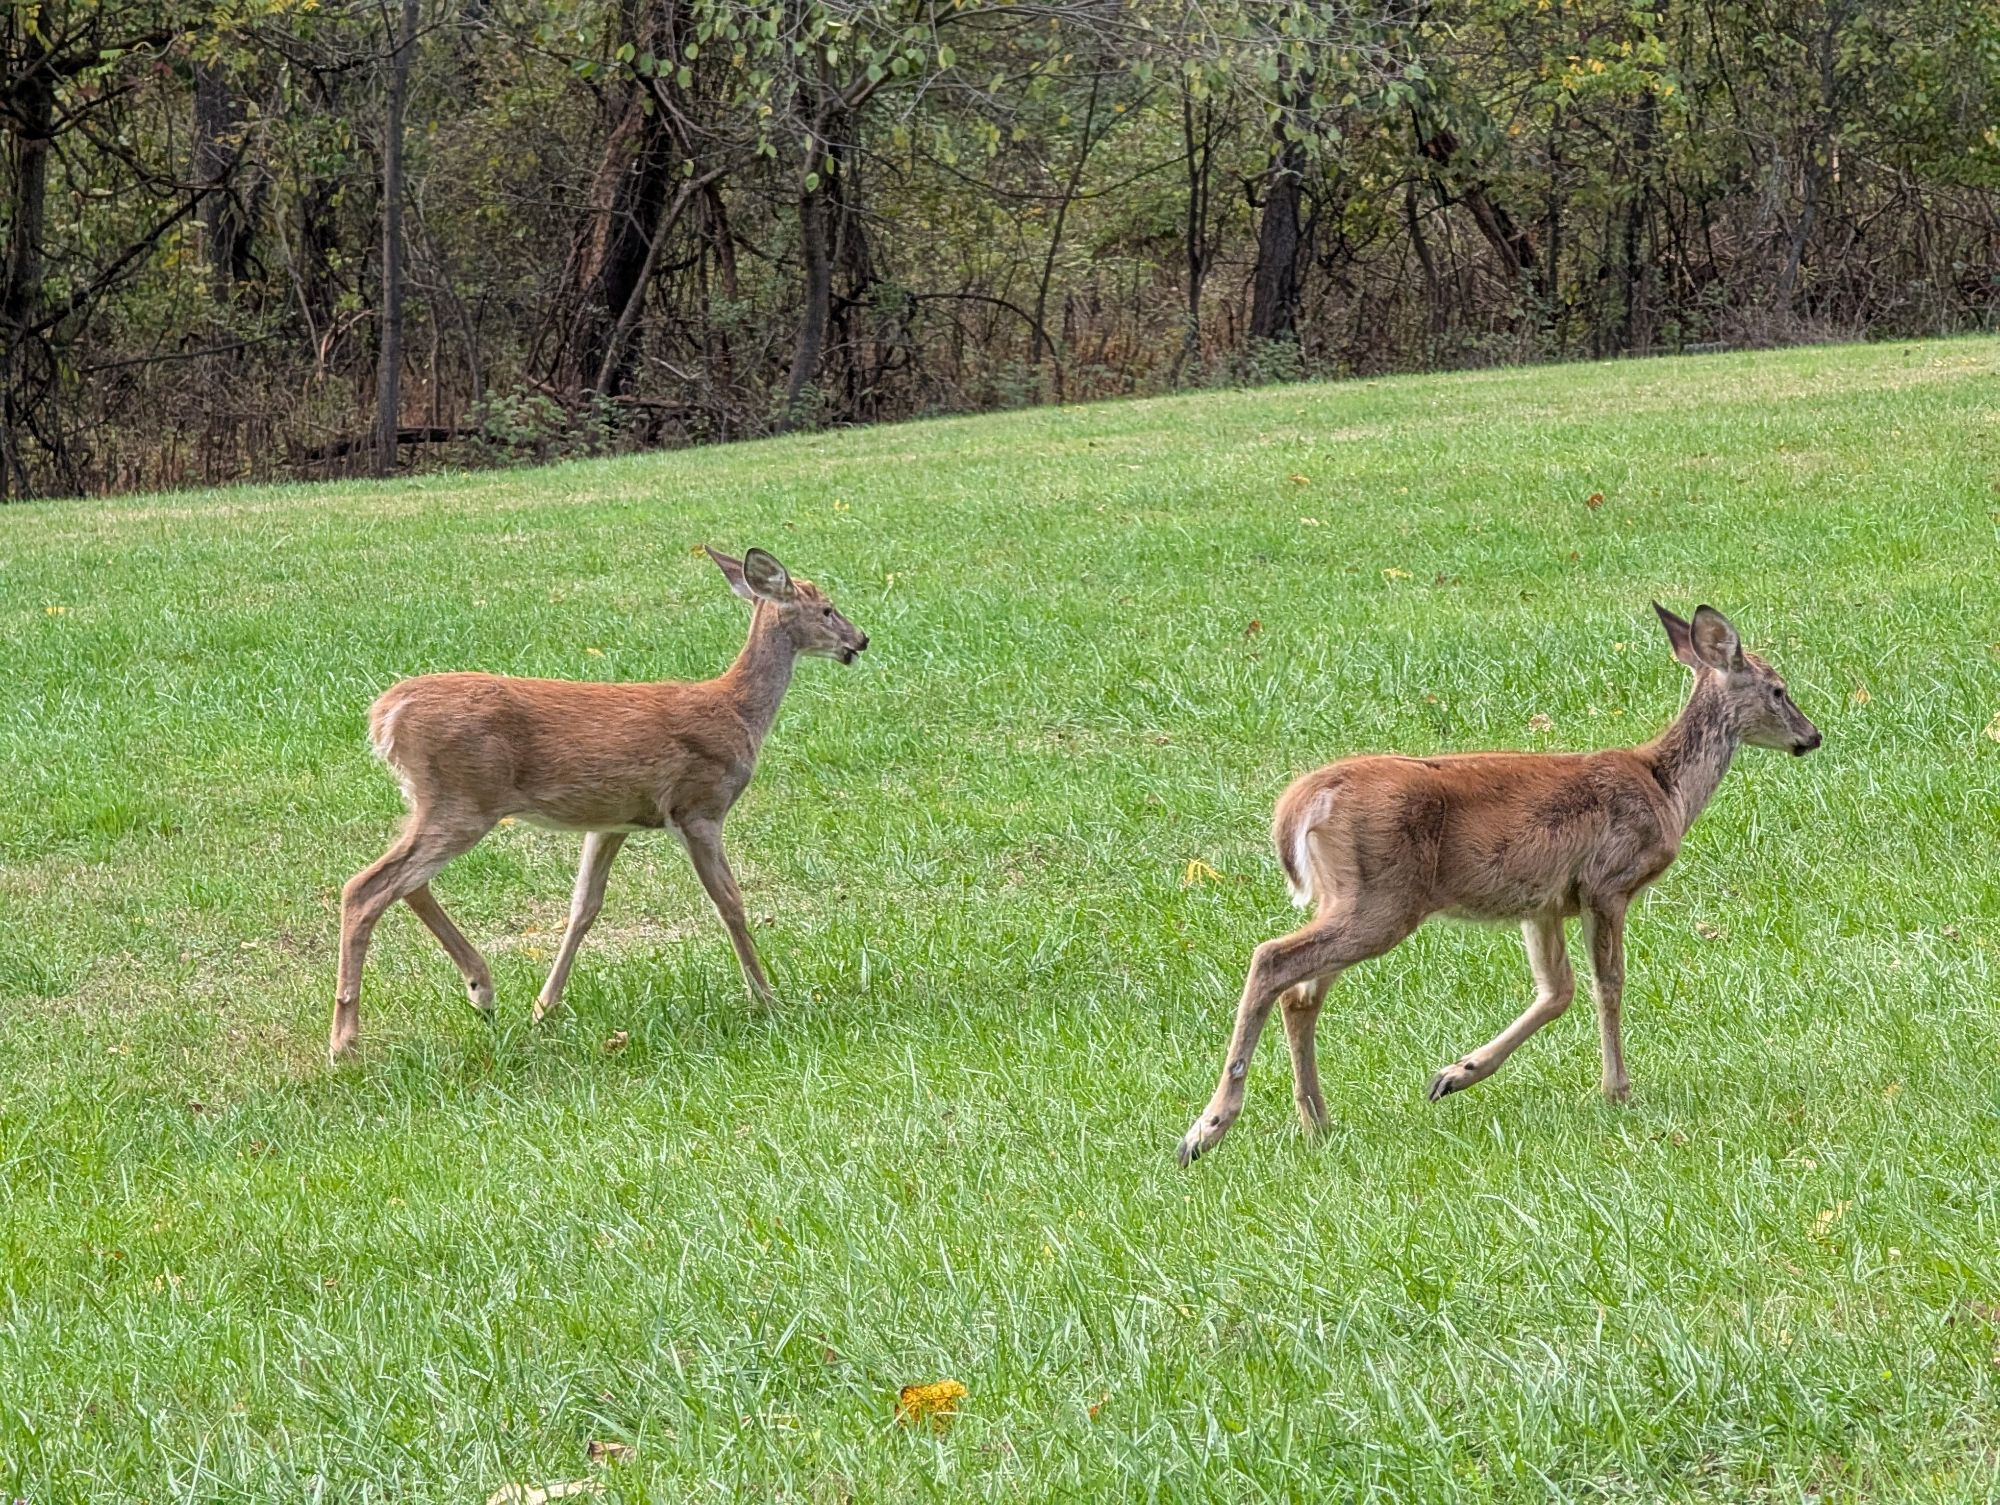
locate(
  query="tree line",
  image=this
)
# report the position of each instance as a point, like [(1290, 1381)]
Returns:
[(259, 238)]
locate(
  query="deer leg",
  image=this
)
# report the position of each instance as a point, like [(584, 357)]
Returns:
[(1300, 1008), (429, 842), (585, 900), (1316, 953), (471, 965), (1555, 986), (704, 844), (1604, 928)]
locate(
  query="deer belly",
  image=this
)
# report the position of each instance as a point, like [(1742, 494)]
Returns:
[(596, 820)]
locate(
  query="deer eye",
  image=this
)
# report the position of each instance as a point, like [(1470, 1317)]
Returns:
[(827, 612)]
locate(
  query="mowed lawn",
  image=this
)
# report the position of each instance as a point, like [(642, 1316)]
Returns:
[(1007, 871)]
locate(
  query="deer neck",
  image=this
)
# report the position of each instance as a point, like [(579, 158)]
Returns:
[(757, 681), (1690, 757)]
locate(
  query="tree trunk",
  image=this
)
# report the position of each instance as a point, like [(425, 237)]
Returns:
[(389, 378), (225, 223), (1274, 290), (628, 194), (31, 129), (815, 235)]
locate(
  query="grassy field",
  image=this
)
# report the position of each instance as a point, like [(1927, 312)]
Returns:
[(1007, 871)]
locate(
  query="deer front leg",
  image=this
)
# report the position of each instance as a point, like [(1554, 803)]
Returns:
[(704, 845), (599, 847), (1555, 986), (1604, 928)]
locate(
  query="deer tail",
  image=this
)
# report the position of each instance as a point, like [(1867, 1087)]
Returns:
[(1301, 809)]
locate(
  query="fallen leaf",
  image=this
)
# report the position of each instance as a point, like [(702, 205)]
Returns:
[(936, 1403), (609, 1452), (1199, 871), (1298, 480), (614, 1042), (55, 611), (841, 507), (1711, 932), (1255, 626), (1541, 723), (1098, 1404), (536, 1494), (1889, 1092), (1950, 932), (1311, 522), (1594, 500), (1861, 695), (1993, 727), (1825, 1221), (1392, 573), (195, 1106), (595, 652)]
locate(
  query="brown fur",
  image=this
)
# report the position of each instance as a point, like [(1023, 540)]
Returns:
[(604, 759), (1380, 844)]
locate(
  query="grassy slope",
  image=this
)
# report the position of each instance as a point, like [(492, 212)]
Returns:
[(230, 1273)]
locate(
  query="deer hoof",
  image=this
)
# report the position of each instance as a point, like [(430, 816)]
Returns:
[(1454, 1078)]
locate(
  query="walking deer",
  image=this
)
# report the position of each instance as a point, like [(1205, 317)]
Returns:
[(603, 759), (1380, 844)]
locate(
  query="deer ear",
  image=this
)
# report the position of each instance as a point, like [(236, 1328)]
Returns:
[(1679, 635), (767, 578), (732, 571), (1715, 641)]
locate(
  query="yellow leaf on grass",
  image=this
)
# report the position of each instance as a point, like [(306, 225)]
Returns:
[(1392, 573), (609, 1452), (1541, 723), (1993, 727), (936, 1403), (1823, 1224), (538, 1494), (1199, 872), (616, 1041), (1861, 695)]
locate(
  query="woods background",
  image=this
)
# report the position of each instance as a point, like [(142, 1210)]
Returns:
[(258, 238)]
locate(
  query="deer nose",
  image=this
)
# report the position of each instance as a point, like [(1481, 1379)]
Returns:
[(1807, 746), (864, 641)]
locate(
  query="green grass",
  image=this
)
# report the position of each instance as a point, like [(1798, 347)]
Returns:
[(1104, 639)]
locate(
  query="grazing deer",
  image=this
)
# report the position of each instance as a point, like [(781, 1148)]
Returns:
[(603, 759), (1381, 844)]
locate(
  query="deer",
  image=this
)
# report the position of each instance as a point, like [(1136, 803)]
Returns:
[(1378, 844), (605, 759)]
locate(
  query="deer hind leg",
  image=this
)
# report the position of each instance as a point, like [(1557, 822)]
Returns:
[(1555, 986), (430, 841), (471, 965), (1300, 1008), (1314, 954), (586, 899)]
